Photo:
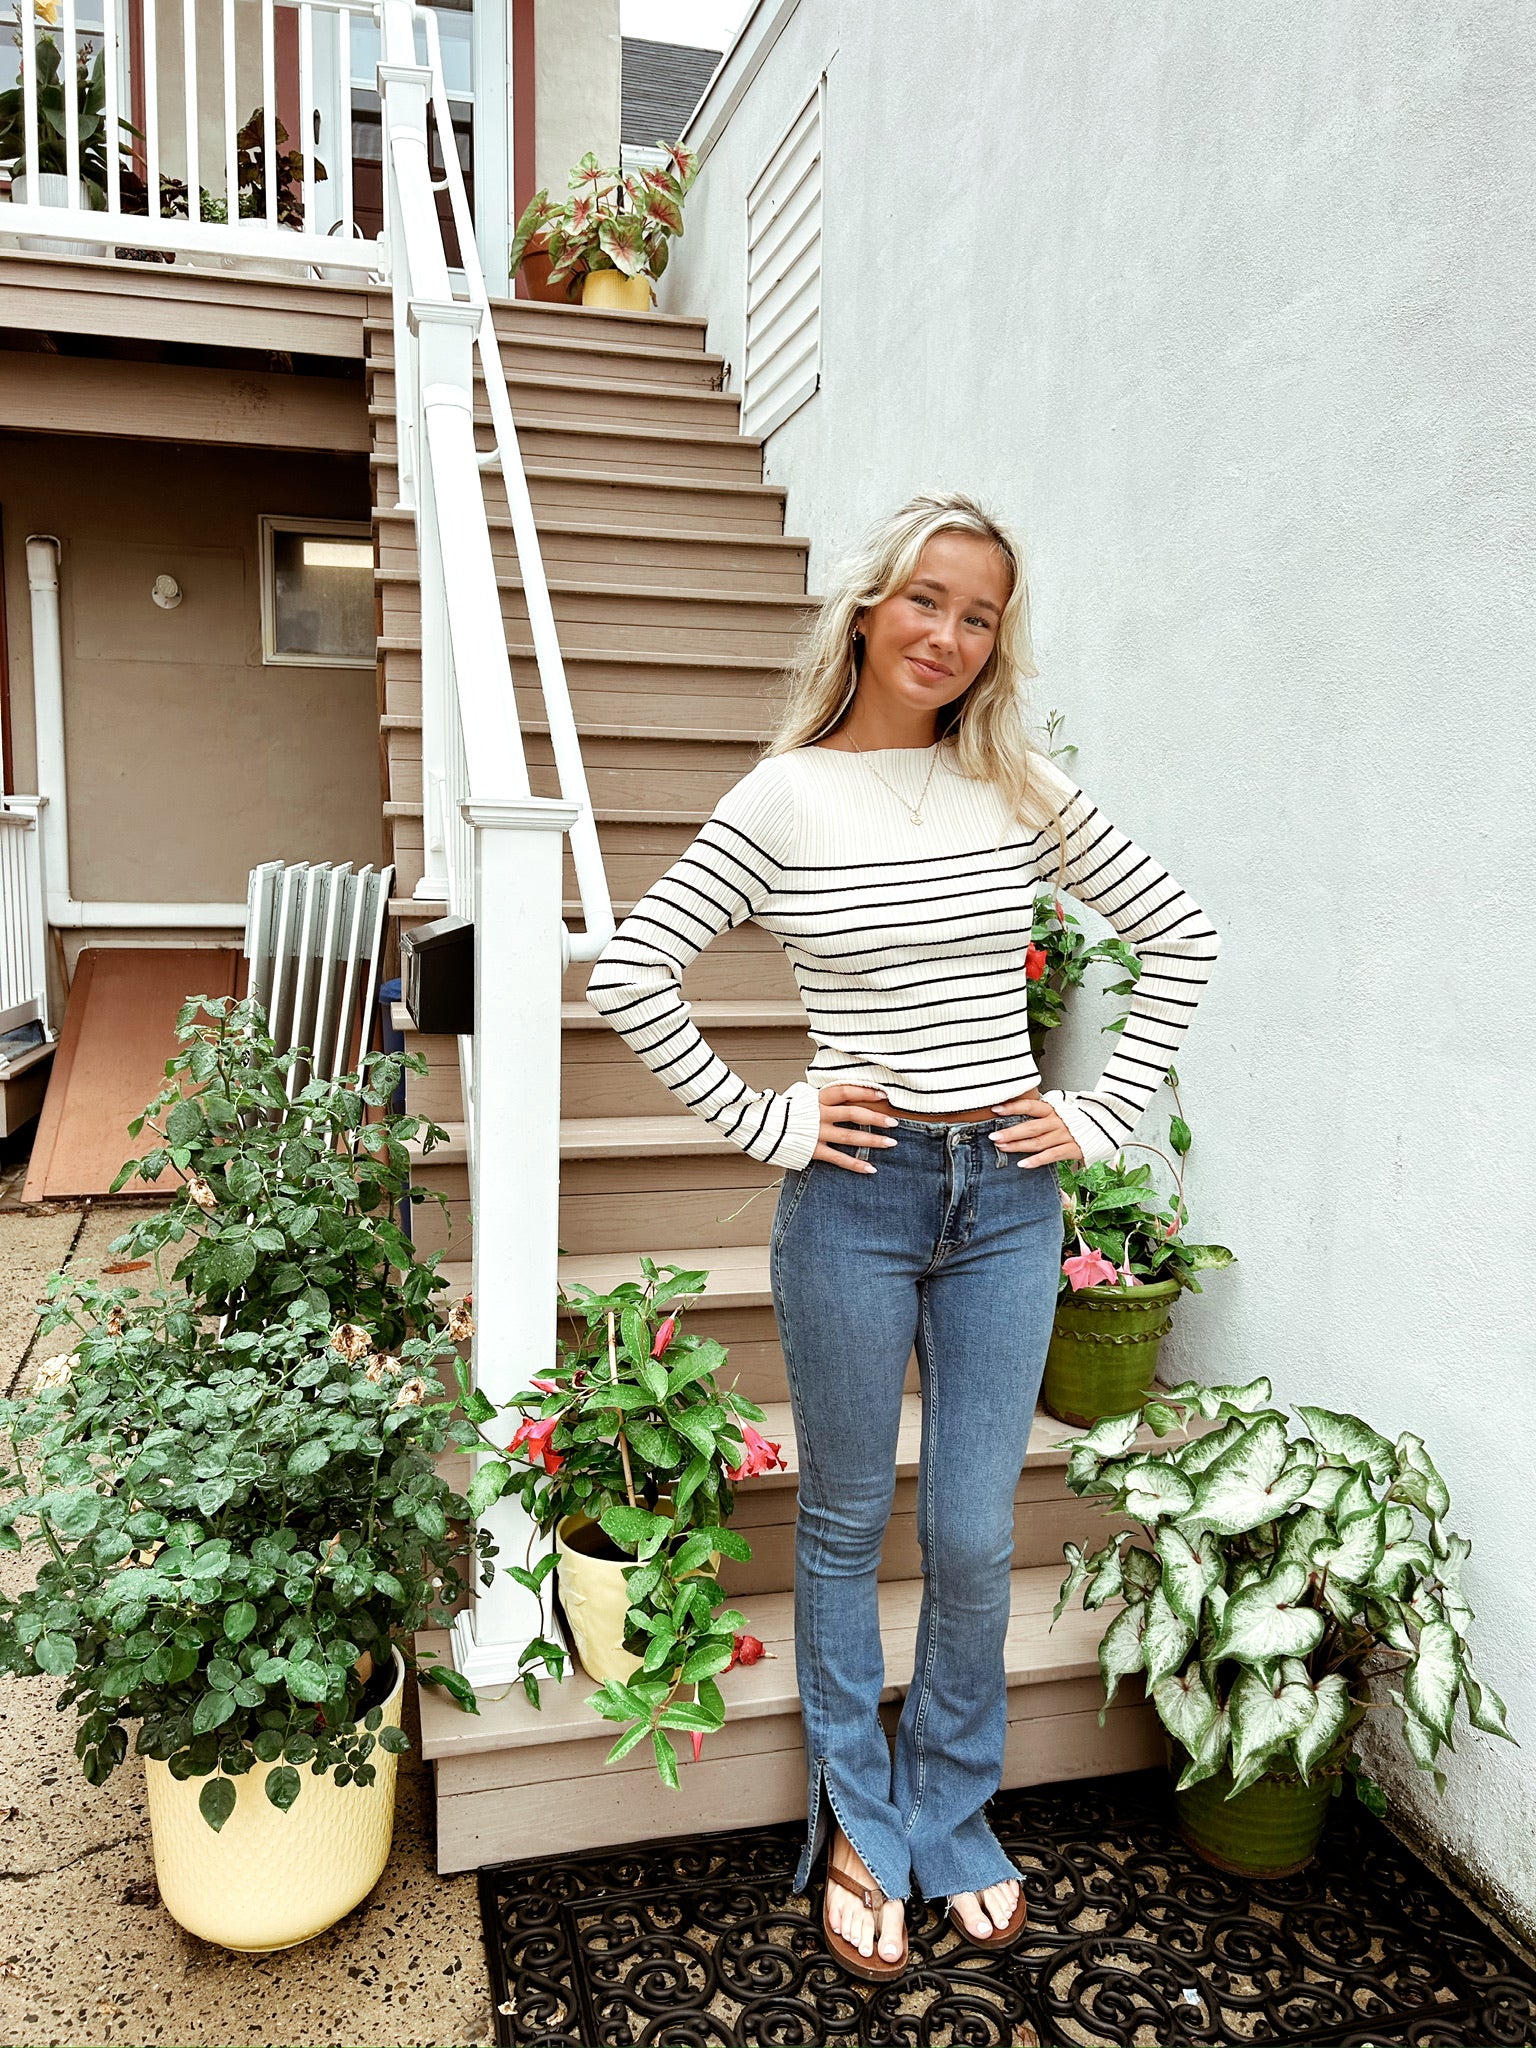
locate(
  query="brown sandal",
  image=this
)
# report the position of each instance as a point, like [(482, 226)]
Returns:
[(1000, 1937), (873, 1968)]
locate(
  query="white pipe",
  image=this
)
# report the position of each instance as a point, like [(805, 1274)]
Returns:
[(48, 701)]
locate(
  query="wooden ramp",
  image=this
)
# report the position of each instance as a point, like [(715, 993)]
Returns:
[(119, 1031)]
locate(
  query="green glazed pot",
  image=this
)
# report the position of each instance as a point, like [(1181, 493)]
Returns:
[(1271, 1829), (1104, 1350)]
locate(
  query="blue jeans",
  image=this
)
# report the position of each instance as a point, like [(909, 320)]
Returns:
[(952, 1245)]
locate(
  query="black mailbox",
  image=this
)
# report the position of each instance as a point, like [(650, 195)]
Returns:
[(437, 976)]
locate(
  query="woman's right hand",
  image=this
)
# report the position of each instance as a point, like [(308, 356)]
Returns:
[(846, 1111)]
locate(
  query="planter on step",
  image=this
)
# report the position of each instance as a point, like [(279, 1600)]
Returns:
[(536, 266), (267, 1879), (590, 1575), (52, 190), (613, 292), (1104, 1347), (1271, 1829)]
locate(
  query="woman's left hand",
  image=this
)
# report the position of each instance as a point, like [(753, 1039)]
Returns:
[(1042, 1138)]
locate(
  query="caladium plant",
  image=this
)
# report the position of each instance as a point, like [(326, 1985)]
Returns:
[(1281, 1578), (612, 220)]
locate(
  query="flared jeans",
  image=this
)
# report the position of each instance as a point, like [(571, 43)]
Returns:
[(952, 1246)]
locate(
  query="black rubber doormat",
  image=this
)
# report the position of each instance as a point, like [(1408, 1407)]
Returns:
[(1132, 1939)]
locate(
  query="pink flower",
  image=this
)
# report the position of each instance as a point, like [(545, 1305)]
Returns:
[(1089, 1269), (761, 1456), (745, 1650), (1127, 1277), (545, 1386), (532, 1438), (1036, 960), (698, 1742), (1172, 1229), (664, 1336)]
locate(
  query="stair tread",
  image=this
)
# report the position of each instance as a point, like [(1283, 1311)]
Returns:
[(712, 735), (500, 523), (548, 472), (1034, 1653), (598, 429), (410, 643), (596, 1137), (581, 385), (596, 346), (590, 587)]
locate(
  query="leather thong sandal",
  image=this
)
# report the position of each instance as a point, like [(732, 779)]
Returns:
[(873, 1968), (1000, 1937)]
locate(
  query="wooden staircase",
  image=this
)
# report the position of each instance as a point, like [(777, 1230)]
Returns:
[(678, 599)]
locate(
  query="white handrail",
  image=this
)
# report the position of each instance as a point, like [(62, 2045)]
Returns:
[(586, 853), (23, 915)]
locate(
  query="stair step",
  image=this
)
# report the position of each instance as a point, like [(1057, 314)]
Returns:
[(410, 721), (753, 1770), (738, 1273), (719, 1016), (698, 408), (511, 334)]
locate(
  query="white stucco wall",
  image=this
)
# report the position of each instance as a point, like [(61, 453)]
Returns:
[(1228, 310), (578, 64)]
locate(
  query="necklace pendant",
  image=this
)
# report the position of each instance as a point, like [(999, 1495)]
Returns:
[(917, 817)]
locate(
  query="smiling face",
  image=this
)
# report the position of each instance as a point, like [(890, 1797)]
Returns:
[(927, 642)]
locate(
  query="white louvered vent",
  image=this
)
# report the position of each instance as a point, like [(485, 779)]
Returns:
[(783, 347)]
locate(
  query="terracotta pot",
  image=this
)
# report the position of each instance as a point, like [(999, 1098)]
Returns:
[(535, 268), (267, 1879), (1104, 1348), (613, 292)]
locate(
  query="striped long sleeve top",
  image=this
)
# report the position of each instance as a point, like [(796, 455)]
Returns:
[(908, 944)]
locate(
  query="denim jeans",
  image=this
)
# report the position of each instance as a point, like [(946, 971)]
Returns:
[(952, 1245)]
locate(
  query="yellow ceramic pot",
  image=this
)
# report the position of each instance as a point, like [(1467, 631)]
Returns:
[(616, 293), (595, 1599), (267, 1879)]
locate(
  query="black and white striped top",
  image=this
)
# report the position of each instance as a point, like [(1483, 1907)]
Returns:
[(908, 943)]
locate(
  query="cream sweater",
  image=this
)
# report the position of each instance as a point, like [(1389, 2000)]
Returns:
[(907, 942)]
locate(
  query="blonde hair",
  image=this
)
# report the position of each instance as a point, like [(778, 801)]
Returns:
[(987, 727)]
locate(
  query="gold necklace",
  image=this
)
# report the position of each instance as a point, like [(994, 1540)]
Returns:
[(915, 815)]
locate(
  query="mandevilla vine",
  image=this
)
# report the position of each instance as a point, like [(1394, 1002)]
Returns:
[(631, 1429), (1282, 1577)]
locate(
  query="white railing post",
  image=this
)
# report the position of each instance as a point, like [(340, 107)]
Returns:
[(23, 915), (518, 963)]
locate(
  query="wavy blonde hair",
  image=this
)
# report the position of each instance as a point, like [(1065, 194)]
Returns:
[(987, 727)]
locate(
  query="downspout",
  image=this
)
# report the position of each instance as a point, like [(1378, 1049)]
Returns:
[(48, 698)]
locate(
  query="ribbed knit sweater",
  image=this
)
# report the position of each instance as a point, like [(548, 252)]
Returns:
[(908, 943)]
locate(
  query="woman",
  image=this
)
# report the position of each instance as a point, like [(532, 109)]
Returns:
[(893, 839)]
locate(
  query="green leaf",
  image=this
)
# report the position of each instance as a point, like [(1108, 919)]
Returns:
[(666, 1758), (1109, 1437), (309, 1457), (1266, 1716), (216, 1801), (1179, 1135), (1121, 1651), (710, 1658), (1422, 1741), (212, 1711), (307, 1680), (1166, 1639), (1185, 1706), (55, 1654), (635, 1529), (1212, 1753), (1485, 1710), (74, 1515), (490, 1482), (1159, 1417), (477, 1407), (1418, 1481), (653, 1377), (1357, 1552), (1347, 1437), (1184, 1575), (1328, 1720), (283, 1786), (239, 1620), (1076, 1576), (635, 1335), (1433, 1680), (1156, 1488), (1263, 1623), (1254, 1481), (628, 1740)]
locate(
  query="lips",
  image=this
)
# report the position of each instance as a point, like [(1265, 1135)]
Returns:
[(929, 669)]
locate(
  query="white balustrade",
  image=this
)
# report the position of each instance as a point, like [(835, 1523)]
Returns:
[(23, 922), (168, 160)]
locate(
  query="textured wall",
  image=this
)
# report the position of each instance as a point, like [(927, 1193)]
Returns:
[(1228, 309), (578, 64)]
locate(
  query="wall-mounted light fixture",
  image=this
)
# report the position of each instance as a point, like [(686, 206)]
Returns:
[(166, 592)]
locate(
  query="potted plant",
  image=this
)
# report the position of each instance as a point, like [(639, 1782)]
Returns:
[(1279, 1576), (628, 1453), (50, 150), (230, 1482), (1057, 962), (1127, 1261), (612, 232)]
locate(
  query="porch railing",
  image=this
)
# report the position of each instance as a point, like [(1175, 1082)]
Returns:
[(23, 918), (187, 149), (495, 850)]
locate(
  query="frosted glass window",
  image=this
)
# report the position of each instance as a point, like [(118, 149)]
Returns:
[(317, 584)]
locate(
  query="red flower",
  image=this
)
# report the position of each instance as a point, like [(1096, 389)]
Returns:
[(698, 1742), (745, 1650), (1036, 960), (533, 1439), (761, 1456), (664, 1336), (545, 1386)]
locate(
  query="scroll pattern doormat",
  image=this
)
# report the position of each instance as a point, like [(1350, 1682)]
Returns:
[(1132, 1940)]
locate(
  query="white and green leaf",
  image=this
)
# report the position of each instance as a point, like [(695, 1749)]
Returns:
[(1185, 1706), (1121, 1652), (1166, 1639), (1185, 1574), (1356, 1551), (1266, 1622), (1327, 1724), (1254, 1481), (1267, 1716), (1433, 1679), (1347, 1437), (1155, 1490)]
